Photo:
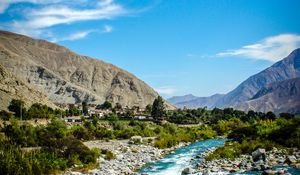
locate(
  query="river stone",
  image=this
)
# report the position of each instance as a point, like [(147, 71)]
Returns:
[(281, 171), (136, 139), (269, 172), (187, 170), (291, 159), (259, 154)]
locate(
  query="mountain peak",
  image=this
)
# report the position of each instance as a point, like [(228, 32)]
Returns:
[(295, 56)]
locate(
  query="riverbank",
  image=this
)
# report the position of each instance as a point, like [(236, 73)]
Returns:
[(260, 160), (128, 156)]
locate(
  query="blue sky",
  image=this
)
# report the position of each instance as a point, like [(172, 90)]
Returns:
[(178, 47)]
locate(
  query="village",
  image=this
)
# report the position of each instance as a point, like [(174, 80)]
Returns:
[(79, 111)]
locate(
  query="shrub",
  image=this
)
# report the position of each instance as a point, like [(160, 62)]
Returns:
[(108, 155)]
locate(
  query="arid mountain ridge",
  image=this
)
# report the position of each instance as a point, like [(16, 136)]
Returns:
[(273, 89), (66, 77)]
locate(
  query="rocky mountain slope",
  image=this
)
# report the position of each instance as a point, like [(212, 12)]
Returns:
[(13, 88), (243, 96), (285, 69), (67, 77), (282, 96)]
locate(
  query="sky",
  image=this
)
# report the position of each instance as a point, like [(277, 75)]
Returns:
[(178, 47)]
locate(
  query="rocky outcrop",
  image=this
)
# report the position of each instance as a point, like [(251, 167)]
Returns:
[(13, 88), (67, 77)]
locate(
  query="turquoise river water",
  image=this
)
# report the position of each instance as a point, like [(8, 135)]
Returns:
[(173, 164)]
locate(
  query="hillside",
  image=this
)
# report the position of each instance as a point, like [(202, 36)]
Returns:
[(13, 88), (67, 77), (283, 96), (250, 94), (285, 69)]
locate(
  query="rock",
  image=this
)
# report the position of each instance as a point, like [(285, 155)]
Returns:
[(281, 171), (199, 157), (269, 172), (264, 167), (136, 139), (291, 159), (119, 156), (215, 169), (187, 170), (256, 168), (243, 164), (13, 87), (259, 154), (233, 170)]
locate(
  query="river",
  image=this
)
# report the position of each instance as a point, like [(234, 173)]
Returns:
[(173, 164)]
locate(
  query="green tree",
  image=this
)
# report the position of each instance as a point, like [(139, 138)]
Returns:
[(17, 106), (106, 105), (270, 115), (149, 108), (85, 109), (118, 106), (158, 109)]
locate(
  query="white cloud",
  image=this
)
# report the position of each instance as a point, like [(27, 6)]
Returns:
[(55, 15), (107, 29), (38, 20), (166, 90), (105, 2), (74, 36), (4, 4), (271, 48)]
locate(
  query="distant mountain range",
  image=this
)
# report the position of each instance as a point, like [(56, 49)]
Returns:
[(192, 101), (273, 89), (55, 74)]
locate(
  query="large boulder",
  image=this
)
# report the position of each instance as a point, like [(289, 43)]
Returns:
[(291, 159), (136, 139), (187, 170), (259, 154)]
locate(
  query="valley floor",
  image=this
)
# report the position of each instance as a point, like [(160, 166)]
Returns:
[(128, 158)]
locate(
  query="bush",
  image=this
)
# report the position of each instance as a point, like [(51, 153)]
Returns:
[(108, 155), (4, 115), (14, 161), (165, 141)]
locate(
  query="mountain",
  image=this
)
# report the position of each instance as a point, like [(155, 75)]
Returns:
[(285, 69), (248, 95), (13, 88), (191, 101), (66, 77), (180, 99), (282, 96)]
